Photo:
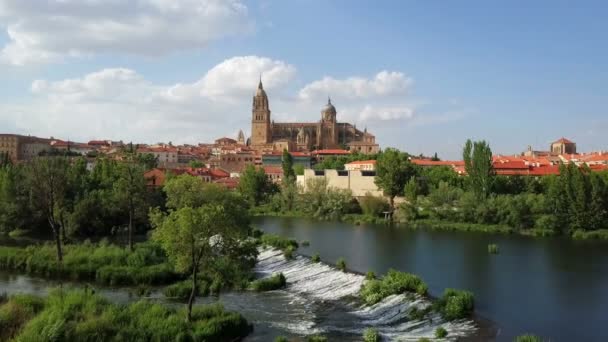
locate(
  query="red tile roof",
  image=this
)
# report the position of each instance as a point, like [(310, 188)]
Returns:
[(512, 164), (428, 162), (362, 162)]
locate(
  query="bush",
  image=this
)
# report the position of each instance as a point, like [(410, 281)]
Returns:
[(181, 290), (305, 243), (370, 275), (372, 205), (80, 316), (275, 282), (455, 304), (493, 248), (16, 312), (441, 332), (316, 258), (288, 252), (281, 339), (278, 242), (394, 282), (528, 338), (341, 264), (317, 338), (371, 335)]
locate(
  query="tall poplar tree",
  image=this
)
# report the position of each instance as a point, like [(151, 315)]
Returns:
[(477, 158)]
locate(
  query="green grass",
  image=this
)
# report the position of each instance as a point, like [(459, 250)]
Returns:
[(441, 333), (460, 226), (281, 339), (370, 275), (394, 282), (16, 233), (317, 338), (316, 258), (275, 282), (528, 338), (77, 315), (493, 248), (341, 264), (181, 290), (455, 304), (102, 263), (371, 335), (600, 234), (278, 242)]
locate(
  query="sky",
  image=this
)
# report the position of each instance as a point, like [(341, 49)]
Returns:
[(423, 76)]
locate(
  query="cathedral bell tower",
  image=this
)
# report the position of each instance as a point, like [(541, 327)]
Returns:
[(260, 119)]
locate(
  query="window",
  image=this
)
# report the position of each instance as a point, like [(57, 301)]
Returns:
[(368, 173), (319, 173), (342, 173)]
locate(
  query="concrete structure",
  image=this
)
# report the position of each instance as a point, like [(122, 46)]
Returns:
[(361, 165), (165, 155), (563, 146), (359, 183), (21, 147), (327, 133)]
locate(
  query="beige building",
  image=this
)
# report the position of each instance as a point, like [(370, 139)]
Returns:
[(164, 155), (21, 147), (563, 146), (359, 183), (327, 133), (361, 165)]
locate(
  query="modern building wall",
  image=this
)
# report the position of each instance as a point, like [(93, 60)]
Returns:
[(359, 183)]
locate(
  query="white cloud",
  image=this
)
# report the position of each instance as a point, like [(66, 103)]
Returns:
[(120, 103), (384, 83), (47, 31)]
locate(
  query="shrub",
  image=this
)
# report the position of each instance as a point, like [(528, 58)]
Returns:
[(305, 243), (275, 282), (181, 290), (370, 275), (424, 339), (288, 252), (316, 258), (371, 335), (528, 338), (341, 264), (393, 282), (441, 332), (281, 339), (278, 242), (416, 314), (372, 205), (16, 312), (455, 304), (317, 338), (493, 248)]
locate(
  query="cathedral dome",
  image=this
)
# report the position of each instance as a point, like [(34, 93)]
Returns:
[(329, 108)]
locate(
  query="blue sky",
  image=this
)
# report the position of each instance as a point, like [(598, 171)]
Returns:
[(515, 73)]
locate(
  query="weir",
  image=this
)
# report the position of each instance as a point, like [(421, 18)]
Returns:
[(323, 283)]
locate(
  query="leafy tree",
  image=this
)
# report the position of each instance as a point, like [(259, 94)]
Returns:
[(412, 190), (5, 159), (129, 191), (184, 191), (287, 164), (47, 180), (147, 160), (477, 158), (298, 169), (432, 176), (435, 157), (254, 185), (393, 170), (196, 164), (201, 236)]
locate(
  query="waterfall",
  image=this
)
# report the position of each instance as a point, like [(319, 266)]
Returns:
[(329, 286)]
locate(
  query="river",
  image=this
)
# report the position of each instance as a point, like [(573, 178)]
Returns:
[(554, 287)]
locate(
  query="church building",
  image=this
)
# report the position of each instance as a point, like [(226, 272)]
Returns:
[(327, 133)]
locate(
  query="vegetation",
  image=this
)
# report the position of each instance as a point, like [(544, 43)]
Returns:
[(182, 290), (393, 170), (394, 282), (205, 227), (370, 275), (441, 332), (103, 263), (455, 304), (316, 258), (317, 338), (78, 315), (341, 264), (493, 248), (254, 185), (477, 158), (528, 338), (274, 282), (281, 339), (371, 335), (278, 242)]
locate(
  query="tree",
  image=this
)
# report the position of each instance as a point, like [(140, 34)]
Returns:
[(5, 159), (147, 160), (196, 164), (393, 170), (287, 163), (477, 158), (129, 191), (254, 185), (47, 180), (200, 236), (412, 190)]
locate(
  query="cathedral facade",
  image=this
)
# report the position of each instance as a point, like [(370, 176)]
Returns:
[(327, 133)]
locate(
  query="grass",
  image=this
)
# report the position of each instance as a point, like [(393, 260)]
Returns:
[(528, 338), (316, 258), (371, 335), (181, 290), (370, 275), (305, 243), (600, 234), (455, 304), (16, 233), (460, 226), (77, 315), (493, 248), (341, 264), (394, 282), (281, 339), (102, 263), (275, 282), (278, 242), (317, 338), (441, 332)]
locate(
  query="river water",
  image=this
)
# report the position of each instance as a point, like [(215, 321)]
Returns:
[(553, 287)]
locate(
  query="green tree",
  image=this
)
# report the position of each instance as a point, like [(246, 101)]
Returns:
[(200, 236), (196, 164), (393, 170), (254, 185), (477, 158), (47, 180), (298, 169), (147, 160), (130, 191), (289, 174), (412, 190)]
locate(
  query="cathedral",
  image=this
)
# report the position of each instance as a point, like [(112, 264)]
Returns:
[(327, 133)]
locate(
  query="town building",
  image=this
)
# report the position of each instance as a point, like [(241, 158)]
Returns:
[(360, 183), (362, 165), (327, 133), (21, 147)]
